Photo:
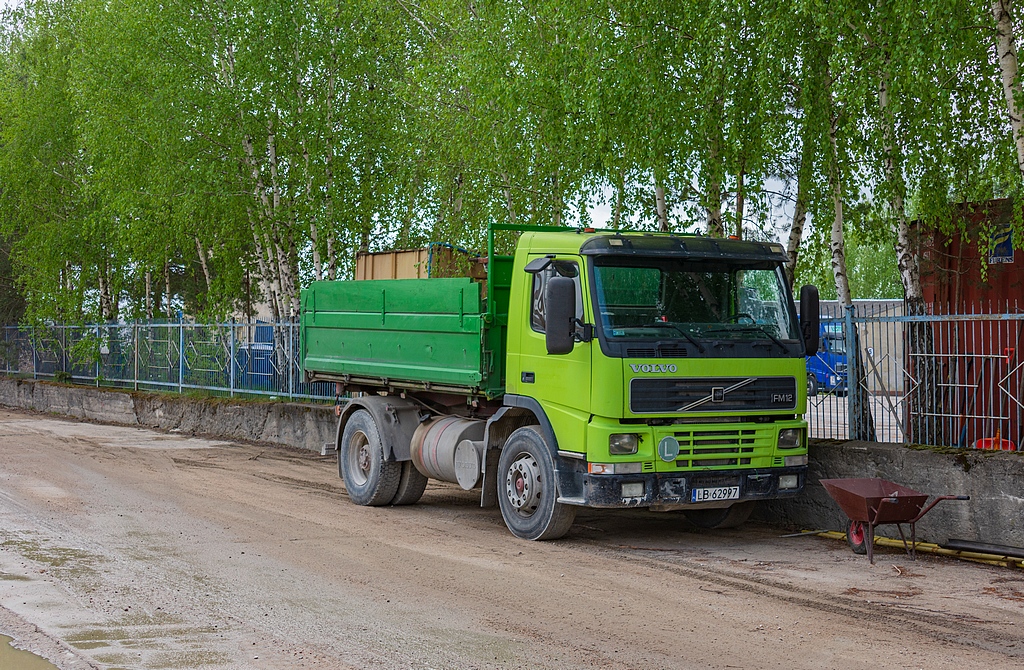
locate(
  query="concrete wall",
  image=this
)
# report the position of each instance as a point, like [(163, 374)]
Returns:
[(289, 424), (994, 480)]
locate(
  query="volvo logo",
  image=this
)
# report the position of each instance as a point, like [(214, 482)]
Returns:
[(718, 394), (655, 367)]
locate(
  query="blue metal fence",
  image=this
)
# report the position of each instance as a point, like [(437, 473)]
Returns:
[(941, 379), (938, 379), (257, 359)]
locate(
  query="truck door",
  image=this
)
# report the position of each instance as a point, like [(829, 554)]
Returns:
[(561, 383)]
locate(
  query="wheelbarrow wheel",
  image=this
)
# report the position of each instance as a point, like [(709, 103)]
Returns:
[(857, 537)]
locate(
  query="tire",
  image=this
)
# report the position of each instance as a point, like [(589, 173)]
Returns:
[(370, 479), (725, 517), (857, 537), (411, 485), (812, 385), (527, 491)]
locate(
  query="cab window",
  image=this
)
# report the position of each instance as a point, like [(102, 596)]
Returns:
[(540, 280)]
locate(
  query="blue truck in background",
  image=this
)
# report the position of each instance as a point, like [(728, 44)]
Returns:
[(826, 371)]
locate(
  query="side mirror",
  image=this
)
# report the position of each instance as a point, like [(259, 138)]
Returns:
[(810, 322), (560, 315)]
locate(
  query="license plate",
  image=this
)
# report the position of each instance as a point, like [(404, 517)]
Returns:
[(720, 493)]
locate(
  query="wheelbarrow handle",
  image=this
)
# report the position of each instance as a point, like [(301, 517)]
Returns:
[(935, 502)]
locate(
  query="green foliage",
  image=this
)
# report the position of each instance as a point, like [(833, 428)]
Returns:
[(205, 157)]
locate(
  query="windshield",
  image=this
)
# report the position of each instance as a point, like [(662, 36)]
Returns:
[(694, 301), (833, 338)]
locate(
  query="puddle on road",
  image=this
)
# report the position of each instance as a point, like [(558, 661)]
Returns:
[(22, 660)]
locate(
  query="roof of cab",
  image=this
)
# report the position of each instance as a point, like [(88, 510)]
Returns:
[(623, 243)]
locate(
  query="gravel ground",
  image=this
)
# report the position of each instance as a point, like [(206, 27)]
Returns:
[(130, 548)]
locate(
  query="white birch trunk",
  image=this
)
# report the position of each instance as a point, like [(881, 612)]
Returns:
[(837, 244), (617, 209), (318, 265), (149, 294), (1006, 54), (559, 203), (509, 204), (862, 425), (167, 289), (332, 258), (714, 194), (203, 263), (104, 293), (906, 253), (659, 201), (740, 203), (796, 232), (265, 274)]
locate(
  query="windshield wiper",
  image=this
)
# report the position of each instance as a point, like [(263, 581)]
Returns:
[(666, 324), (761, 329)]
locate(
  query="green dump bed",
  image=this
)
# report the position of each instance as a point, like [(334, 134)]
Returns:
[(429, 334)]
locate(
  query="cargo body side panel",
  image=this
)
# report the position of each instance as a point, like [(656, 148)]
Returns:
[(429, 332)]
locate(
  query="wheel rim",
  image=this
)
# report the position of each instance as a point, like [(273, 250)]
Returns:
[(522, 484), (360, 460), (856, 532)]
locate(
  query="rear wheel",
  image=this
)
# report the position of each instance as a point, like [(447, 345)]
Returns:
[(527, 492), (857, 537), (725, 517), (411, 485), (370, 478), (812, 385)]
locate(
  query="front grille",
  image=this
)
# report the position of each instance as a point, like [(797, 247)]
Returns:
[(657, 352), (651, 395)]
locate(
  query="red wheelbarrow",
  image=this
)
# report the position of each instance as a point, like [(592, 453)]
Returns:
[(871, 502)]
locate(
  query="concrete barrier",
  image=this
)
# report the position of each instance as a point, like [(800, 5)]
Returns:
[(304, 426), (994, 480)]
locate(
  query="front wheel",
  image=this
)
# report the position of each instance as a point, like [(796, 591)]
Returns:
[(812, 385), (370, 478), (857, 537), (725, 517), (527, 492)]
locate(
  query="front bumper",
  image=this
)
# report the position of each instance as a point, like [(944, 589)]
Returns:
[(667, 491)]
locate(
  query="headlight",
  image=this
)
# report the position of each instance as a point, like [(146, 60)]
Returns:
[(623, 443), (791, 438)]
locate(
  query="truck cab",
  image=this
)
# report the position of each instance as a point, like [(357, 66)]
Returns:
[(827, 369)]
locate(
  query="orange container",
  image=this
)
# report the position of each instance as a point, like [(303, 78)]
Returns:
[(995, 443)]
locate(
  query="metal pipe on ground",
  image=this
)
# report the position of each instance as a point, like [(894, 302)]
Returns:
[(929, 548)]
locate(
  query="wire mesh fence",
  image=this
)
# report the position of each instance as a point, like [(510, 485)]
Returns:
[(938, 379), (880, 374), (257, 359)]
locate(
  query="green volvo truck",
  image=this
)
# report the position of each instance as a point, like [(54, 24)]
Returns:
[(592, 368)]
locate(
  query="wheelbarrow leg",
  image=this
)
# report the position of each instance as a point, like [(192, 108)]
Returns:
[(903, 537), (871, 543)]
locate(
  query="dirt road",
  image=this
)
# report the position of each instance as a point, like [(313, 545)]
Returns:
[(130, 548)]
